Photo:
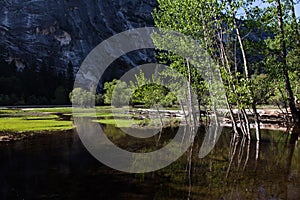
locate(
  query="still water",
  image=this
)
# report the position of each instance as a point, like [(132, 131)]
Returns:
[(57, 166)]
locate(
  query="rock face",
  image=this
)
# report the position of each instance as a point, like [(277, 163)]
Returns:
[(60, 31)]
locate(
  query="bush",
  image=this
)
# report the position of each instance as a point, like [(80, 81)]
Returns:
[(117, 93), (81, 97)]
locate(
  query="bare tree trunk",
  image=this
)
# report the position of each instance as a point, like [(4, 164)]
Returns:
[(256, 121), (247, 124), (233, 121), (283, 54), (295, 24), (161, 124), (246, 69), (243, 127), (225, 62), (190, 96), (184, 113)]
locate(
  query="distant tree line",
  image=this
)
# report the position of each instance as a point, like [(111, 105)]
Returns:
[(34, 85), (141, 92)]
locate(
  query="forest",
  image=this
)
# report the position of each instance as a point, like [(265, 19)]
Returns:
[(255, 49)]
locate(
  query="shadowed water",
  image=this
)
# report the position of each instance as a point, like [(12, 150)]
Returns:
[(58, 166)]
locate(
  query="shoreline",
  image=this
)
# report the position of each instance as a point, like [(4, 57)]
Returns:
[(271, 119), (7, 137)]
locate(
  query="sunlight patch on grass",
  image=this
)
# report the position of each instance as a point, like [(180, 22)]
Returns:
[(27, 124)]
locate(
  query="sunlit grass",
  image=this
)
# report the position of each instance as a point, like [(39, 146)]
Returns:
[(59, 119), (27, 124), (54, 119)]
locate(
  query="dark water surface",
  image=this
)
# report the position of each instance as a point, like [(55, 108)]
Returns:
[(58, 166)]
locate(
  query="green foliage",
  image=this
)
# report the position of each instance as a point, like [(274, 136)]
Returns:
[(82, 97), (117, 93), (109, 88), (213, 24), (169, 100), (151, 92), (278, 96), (262, 88)]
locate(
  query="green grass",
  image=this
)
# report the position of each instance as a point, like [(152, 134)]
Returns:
[(33, 120), (48, 119), (59, 119), (36, 124)]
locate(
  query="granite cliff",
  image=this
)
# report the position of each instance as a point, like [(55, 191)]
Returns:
[(59, 31)]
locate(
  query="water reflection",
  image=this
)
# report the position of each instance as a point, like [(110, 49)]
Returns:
[(59, 167)]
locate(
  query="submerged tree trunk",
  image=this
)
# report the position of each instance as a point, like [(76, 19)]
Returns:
[(247, 123), (233, 121), (192, 117), (283, 55), (292, 144)]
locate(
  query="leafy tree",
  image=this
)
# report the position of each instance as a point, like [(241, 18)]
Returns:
[(117, 93), (81, 97), (151, 91), (151, 94), (225, 35), (281, 57)]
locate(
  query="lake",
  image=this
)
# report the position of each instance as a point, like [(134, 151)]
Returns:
[(57, 166)]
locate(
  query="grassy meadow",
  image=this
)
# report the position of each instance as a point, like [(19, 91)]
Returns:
[(48, 119)]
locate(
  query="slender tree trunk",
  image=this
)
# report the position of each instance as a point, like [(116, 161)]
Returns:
[(246, 69), (242, 124), (161, 124), (283, 54), (190, 96), (184, 113), (247, 124), (295, 24), (233, 121), (225, 63), (256, 121)]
